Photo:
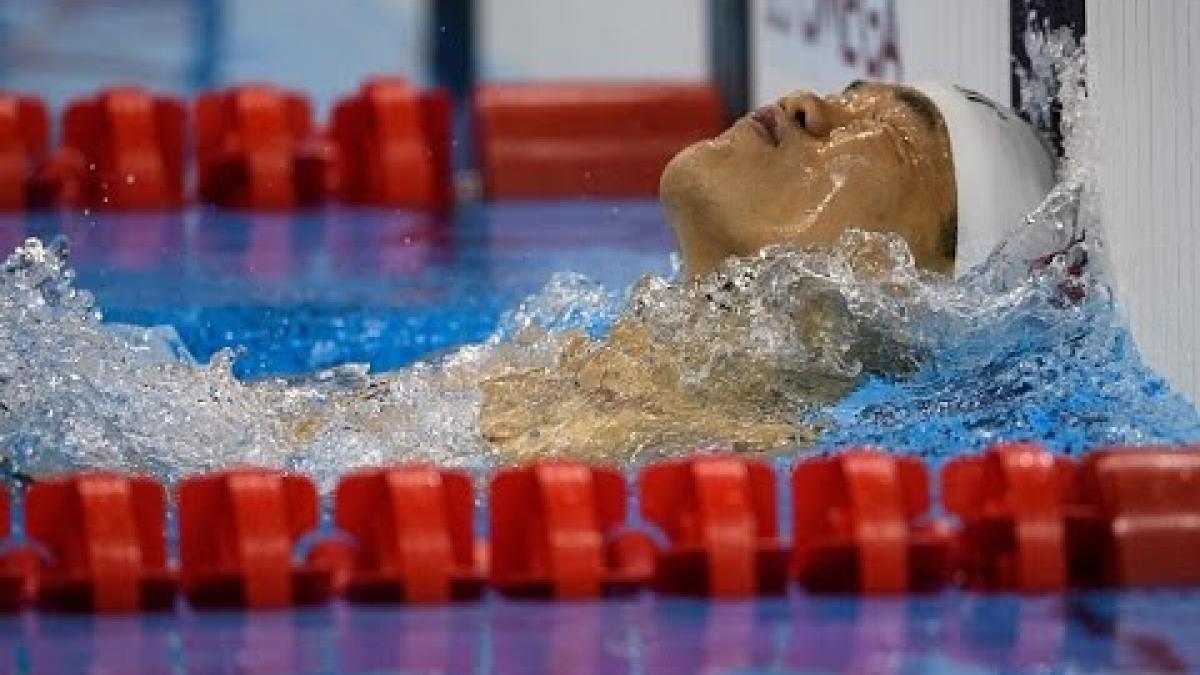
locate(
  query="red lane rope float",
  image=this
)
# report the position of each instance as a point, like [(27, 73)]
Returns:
[(718, 513), (555, 533), (1031, 521), (861, 525), (1012, 503), (24, 129), (256, 148), (122, 149), (562, 140), (1137, 518), (112, 557), (384, 135), (237, 531), (16, 565), (413, 530)]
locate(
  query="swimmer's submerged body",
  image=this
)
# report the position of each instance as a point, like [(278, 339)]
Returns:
[(941, 168)]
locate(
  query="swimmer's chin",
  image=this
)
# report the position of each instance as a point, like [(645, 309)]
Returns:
[(682, 186), (673, 182), (692, 201)]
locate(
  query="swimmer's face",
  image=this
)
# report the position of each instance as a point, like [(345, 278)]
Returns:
[(801, 171)]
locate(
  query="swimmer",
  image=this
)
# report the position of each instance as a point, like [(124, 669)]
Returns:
[(944, 168)]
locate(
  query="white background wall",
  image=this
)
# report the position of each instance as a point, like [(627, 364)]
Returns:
[(592, 39), (960, 41), (1145, 75), (62, 50), (964, 41), (325, 48)]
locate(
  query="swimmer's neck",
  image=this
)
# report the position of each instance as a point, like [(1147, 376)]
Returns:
[(701, 251)]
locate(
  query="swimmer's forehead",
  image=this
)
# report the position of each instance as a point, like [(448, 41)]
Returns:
[(918, 103)]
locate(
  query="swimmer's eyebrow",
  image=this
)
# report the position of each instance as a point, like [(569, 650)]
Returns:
[(920, 105)]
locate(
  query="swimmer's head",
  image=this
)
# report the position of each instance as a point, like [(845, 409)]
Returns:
[(876, 157)]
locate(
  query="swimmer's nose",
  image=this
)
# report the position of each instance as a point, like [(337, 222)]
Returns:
[(808, 112)]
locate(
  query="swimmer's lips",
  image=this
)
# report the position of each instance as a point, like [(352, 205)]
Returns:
[(766, 121)]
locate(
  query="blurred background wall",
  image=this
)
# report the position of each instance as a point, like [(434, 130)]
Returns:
[(608, 39), (1145, 76), (1145, 72), (321, 47), (64, 48), (823, 45)]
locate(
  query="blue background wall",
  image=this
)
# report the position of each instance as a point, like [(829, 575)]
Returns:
[(63, 48)]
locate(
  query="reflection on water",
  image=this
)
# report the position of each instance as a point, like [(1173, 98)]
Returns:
[(1087, 632)]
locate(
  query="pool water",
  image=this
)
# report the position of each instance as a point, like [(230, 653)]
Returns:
[(296, 292), (1083, 633), (301, 292)]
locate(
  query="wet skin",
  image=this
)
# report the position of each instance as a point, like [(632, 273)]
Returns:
[(804, 169), (798, 172)]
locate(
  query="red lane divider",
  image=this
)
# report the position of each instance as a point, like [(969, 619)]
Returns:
[(19, 568), (13, 575), (555, 533), (237, 532), (113, 557), (256, 148), (1138, 517), (122, 149), (1012, 501), (24, 128), (388, 144), (413, 527), (1030, 521), (385, 155), (598, 140), (718, 514), (860, 525)]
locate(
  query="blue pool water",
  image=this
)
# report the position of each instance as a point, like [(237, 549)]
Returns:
[(298, 293), (1082, 633)]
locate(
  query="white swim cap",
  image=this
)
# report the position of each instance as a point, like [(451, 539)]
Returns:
[(1003, 170)]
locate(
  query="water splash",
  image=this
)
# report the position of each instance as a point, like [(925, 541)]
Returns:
[(80, 393)]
